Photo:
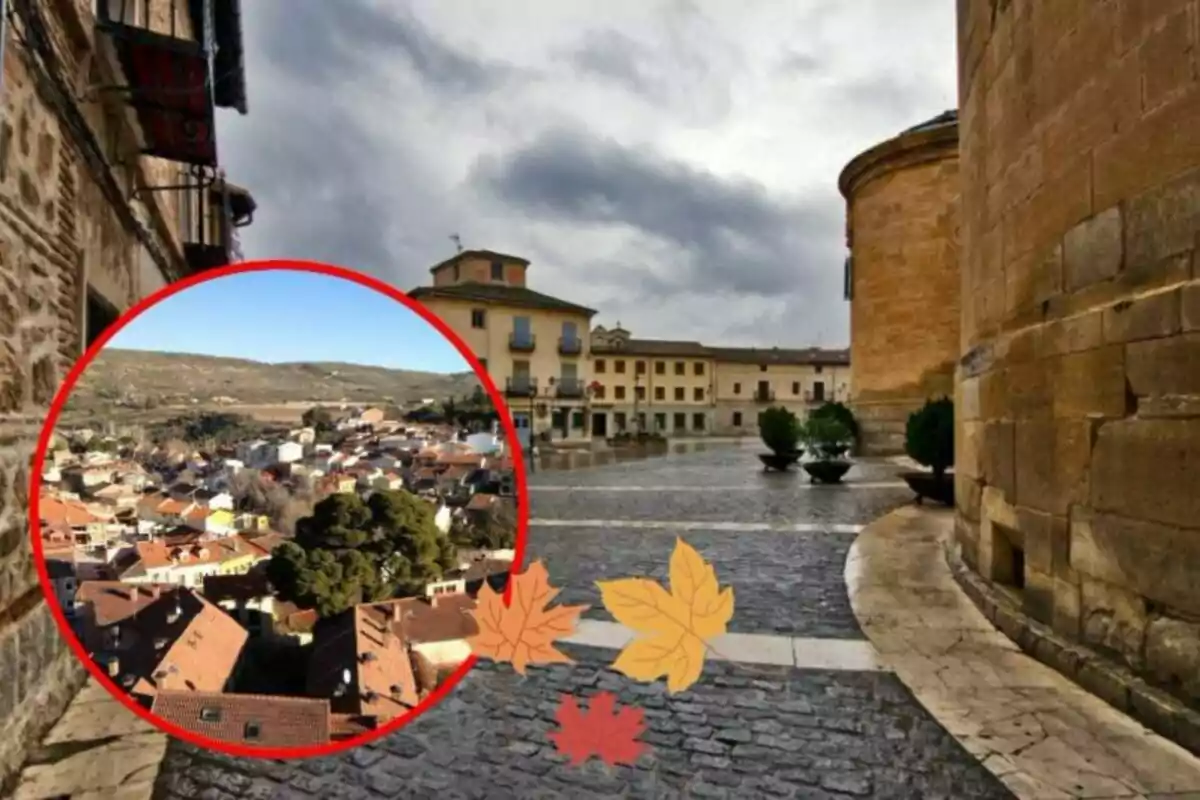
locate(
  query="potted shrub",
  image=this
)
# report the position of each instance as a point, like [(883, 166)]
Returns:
[(929, 440), (842, 413), (780, 431), (827, 440)]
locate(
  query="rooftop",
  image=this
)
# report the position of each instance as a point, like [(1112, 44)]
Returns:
[(500, 294), (258, 720)]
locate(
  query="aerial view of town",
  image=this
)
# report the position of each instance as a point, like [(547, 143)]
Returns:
[(268, 583)]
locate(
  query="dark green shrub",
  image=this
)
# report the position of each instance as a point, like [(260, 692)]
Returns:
[(780, 430), (826, 438), (840, 412), (929, 435)]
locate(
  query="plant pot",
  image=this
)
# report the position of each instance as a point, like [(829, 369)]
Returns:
[(780, 462), (926, 485), (827, 471)]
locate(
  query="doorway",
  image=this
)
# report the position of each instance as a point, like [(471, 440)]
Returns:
[(600, 424)]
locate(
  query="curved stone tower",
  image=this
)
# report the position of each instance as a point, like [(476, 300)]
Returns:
[(1079, 397), (903, 281)]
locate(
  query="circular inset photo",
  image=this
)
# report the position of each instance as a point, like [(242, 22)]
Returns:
[(264, 503)]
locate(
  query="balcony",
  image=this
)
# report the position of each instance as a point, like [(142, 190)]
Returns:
[(764, 395), (166, 74), (209, 212), (520, 386), (570, 346), (570, 388), (522, 342)]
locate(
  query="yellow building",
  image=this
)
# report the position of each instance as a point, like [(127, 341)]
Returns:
[(535, 347), (749, 380), (650, 385)]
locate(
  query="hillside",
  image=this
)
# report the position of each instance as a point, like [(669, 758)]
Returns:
[(150, 379)]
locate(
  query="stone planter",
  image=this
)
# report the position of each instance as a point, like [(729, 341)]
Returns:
[(926, 486), (827, 471), (778, 462)]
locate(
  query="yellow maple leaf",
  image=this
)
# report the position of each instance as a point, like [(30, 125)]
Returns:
[(675, 626), (523, 631)]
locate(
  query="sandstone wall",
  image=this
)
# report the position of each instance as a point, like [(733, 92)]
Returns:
[(58, 236), (1079, 399), (902, 228)]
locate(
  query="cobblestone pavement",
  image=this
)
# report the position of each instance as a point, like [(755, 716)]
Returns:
[(784, 583), (742, 732)]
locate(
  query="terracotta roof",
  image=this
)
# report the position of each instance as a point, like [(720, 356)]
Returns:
[(481, 502), (113, 601), (290, 618), (198, 514), (157, 554), (262, 543), (488, 254), (500, 294), (361, 642), (777, 355), (170, 506), (202, 647), (424, 620), (57, 512), (256, 720)]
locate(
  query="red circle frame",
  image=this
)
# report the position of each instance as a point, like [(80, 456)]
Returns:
[(64, 392)]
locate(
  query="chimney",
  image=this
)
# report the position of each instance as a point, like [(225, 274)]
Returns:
[(397, 612)]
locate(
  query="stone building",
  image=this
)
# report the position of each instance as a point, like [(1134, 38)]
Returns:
[(109, 190), (1079, 392), (902, 277)]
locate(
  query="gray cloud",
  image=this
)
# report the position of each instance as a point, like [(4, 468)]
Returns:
[(674, 167), (723, 233)]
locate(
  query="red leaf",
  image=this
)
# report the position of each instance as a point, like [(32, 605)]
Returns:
[(604, 731)]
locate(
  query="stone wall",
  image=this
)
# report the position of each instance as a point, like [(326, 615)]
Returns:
[(902, 229), (58, 237), (1079, 394)]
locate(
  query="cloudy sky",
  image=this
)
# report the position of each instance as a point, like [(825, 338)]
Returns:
[(672, 163)]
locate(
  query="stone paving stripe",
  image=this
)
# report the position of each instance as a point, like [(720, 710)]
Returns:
[(751, 648), (1041, 734), (699, 525), (694, 488)]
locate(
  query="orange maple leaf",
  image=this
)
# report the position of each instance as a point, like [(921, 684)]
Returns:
[(523, 631), (606, 731)]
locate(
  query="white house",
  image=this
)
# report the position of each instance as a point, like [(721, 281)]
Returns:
[(232, 466), (221, 501), (442, 518), (484, 442), (288, 452)]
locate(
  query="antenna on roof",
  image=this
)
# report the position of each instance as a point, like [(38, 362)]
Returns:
[(454, 237)]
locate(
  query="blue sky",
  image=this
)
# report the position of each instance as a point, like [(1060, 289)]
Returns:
[(288, 315)]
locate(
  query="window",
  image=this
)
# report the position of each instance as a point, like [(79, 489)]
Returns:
[(660, 368), (497, 271), (819, 391), (795, 387), (680, 368), (698, 394), (698, 422), (619, 419), (641, 420), (737, 419), (699, 367), (681, 422), (619, 367), (640, 368), (210, 714), (125, 11), (253, 730), (478, 318), (619, 392), (598, 391), (660, 393), (483, 363), (680, 393), (577, 420), (848, 279), (660, 422), (456, 273), (762, 367), (737, 388), (819, 369), (600, 366), (640, 392)]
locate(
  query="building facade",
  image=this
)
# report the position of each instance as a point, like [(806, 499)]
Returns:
[(109, 190), (567, 383), (902, 276), (1079, 386), (535, 347)]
